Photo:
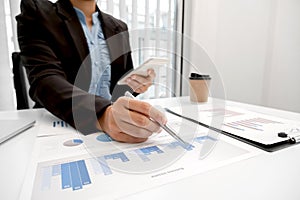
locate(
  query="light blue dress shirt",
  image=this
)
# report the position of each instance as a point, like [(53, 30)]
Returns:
[(100, 57)]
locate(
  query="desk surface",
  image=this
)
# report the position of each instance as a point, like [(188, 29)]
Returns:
[(266, 176), (15, 154)]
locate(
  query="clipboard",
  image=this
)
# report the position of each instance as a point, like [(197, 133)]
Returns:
[(285, 141)]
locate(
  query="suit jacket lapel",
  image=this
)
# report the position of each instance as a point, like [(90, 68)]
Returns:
[(110, 30), (116, 38), (108, 26), (65, 9)]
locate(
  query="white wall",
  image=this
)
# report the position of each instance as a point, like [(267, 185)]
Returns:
[(6, 81), (255, 45), (283, 82)]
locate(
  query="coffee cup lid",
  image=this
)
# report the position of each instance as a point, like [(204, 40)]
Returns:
[(195, 76)]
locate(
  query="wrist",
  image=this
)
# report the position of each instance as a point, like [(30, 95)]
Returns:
[(103, 121)]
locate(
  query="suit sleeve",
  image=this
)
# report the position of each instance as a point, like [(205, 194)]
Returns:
[(49, 86)]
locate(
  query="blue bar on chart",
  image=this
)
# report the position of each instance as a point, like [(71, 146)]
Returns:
[(56, 170), (174, 145), (100, 165), (65, 176), (115, 156), (46, 178), (201, 139), (75, 176), (104, 166), (60, 124), (85, 178), (142, 155), (96, 165), (102, 160), (149, 150)]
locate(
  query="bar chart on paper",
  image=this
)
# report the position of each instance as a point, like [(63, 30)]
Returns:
[(242, 120), (51, 125), (253, 124), (67, 177), (258, 127), (59, 123), (76, 174)]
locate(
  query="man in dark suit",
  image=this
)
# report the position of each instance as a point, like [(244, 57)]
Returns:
[(56, 41)]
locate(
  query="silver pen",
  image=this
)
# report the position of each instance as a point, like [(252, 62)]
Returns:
[(164, 126)]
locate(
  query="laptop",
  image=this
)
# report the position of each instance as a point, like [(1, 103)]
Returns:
[(11, 128)]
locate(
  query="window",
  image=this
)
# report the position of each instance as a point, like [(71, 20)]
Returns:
[(152, 28), (9, 31)]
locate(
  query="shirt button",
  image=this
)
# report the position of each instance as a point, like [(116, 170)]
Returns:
[(96, 63), (92, 42)]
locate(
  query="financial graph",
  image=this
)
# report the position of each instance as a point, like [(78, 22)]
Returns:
[(176, 144), (256, 124), (77, 174), (72, 175), (59, 123), (144, 153), (111, 170)]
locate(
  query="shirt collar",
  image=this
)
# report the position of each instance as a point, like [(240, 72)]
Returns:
[(81, 16)]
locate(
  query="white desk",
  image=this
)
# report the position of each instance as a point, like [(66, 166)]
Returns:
[(15, 154), (267, 176)]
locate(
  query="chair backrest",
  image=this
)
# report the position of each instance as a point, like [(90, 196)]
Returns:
[(20, 82)]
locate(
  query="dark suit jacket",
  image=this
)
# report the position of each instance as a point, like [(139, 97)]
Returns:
[(55, 53)]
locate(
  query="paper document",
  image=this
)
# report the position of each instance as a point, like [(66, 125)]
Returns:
[(72, 166), (50, 125), (254, 126)]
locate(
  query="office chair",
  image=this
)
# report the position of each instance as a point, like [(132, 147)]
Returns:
[(20, 82)]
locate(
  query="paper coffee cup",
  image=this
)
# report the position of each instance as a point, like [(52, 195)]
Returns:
[(199, 87)]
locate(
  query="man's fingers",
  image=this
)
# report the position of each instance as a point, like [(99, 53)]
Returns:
[(151, 74), (138, 87), (139, 83), (130, 120), (144, 122), (147, 110), (142, 80), (133, 84), (139, 122)]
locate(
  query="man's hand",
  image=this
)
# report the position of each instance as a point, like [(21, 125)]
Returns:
[(140, 84), (128, 120)]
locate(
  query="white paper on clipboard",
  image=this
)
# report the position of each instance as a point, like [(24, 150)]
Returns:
[(142, 69)]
